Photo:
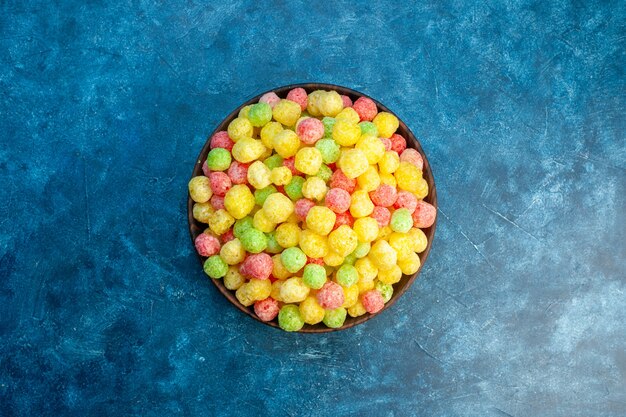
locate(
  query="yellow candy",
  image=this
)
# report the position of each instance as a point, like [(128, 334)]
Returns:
[(333, 259), (361, 205), (220, 221), (286, 112), (365, 285), (266, 154), (314, 188), (279, 271), (293, 218), (408, 177), (386, 123), (410, 264), (233, 279), (259, 175), (350, 296), (287, 235), (311, 311), (308, 160), (343, 240), (277, 207), (260, 289), (419, 241), (232, 252), (202, 212), (401, 243), (330, 103), (275, 294), (293, 290), (366, 269), (313, 245), (346, 133), (348, 114), (388, 179), (320, 220), (366, 229), (248, 150), (281, 176), (384, 233), (389, 162), (369, 180), (200, 189), (422, 189), (357, 309), (313, 103), (391, 275), (353, 162), (239, 201), (286, 143), (239, 128), (244, 111), (372, 147), (268, 132), (383, 255), (262, 223), (302, 118), (245, 296)]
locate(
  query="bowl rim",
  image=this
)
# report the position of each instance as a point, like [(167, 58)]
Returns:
[(412, 142)]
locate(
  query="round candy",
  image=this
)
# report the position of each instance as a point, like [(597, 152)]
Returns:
[(215, 267), (335, 318), (311, 311), (368, 128), (366, 108), (293, 259), (385, 290), (294, 188), (308, 160), (227, 236), (340, 180), (424, 215), (293, 290), (391, 275), (372, 147), (222, 140), (242, 225), (298, 95), (313, 245), (333, 259), (410, 264), (386, 123), (325, 172), (262, 223), (357, 309), (384, 232), (217, 202), (316, 261), (261, 195), (320, 220), (329, 123), (314, 188), (279, 271), (288, 235), (412, 156), (257, 266), (259, 175), (406, 200), (401, 242), (373, 301), (233, 279), (329, 103), (253, 241), (286, 143), (270, 98), (362, 249), (369, 180), (220, 183), (398, 143), (347, 101), (207, 245), (408, 177), (268, 132), (418, 240), (314, 276), (329, 149), (277, 208), (346, 133), (221, 221), (239, 128), (272, 244), (388, 179), (260, 114), (343, 218), (349, 115), (244, 111), (266, 309), (330, 296), (382, 216), (350, 295), (274, 161), (383, 255), (384, 196), (238, 172), (200, 189), (361, 204), (310, 130), (219, 159), (248, 150), (286, 112), (343, 240), (280, 176), (290, 319), (386, 143), (401, 221), (366, 229), (233, 252), (366, 269), (353, 162), (338, 200), (239, 201), (314, 100), (302, 208), (205, 169), (347, 275), (389, 163)]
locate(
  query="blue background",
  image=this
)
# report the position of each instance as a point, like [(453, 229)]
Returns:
[(519, 311)]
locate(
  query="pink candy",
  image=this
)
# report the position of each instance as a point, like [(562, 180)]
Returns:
[(205, 169), (382, 215), (291, 164), (343, 218), (424, 215), (365, 108), (339, 180), (338, 200), (267, 309), (406, 200), (317, 261), (347, 101), (227, 236), (220, 183), (330, 296), (217, 202), (398, 143), (373, 301), (385, 195), (257, 266), (412, 156), (270, 98), (387, 143), (222, 140), (207, 245), (299, 96), (302, 208), (238, 172), (310, 130)]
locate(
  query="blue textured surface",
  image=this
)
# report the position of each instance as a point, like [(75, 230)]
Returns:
[(520, 310)]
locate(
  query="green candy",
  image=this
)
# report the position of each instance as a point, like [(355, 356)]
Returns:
[(329, 123), (350, 259), (261, 195), (274, 161), (294, 188), (272, 244), (362, 249), (219, 159), (324, 173), (401, 221), (293, 259), (335, 318), (368, 128), (289, 318), (386, 290), (347, 276), (253, 240), (215, 267), (260, 114), (329, 149), (242, 225), (314, 276)]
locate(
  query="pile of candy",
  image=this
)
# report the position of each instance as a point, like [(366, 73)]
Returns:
[(314, 206)]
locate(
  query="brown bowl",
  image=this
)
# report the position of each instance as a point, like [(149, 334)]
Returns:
[(399, 288)]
